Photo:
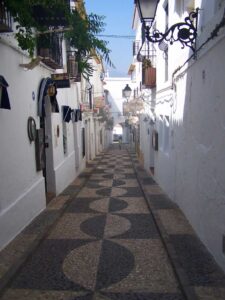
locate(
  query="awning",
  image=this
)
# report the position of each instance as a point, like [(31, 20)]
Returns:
[(4, 98), (45, 84)]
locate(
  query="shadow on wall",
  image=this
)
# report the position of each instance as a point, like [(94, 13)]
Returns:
[(198, 148)]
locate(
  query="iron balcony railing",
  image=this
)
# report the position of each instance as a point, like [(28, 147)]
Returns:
[(5, 19), (52, 14), (49, 47)]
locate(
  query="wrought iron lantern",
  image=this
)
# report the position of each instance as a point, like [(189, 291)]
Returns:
[(185, 32), (127, 92)]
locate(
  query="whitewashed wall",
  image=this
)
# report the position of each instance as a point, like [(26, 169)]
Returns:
[(190, 122), (22, 188), (64, 164), (22, 192), (199, 149)]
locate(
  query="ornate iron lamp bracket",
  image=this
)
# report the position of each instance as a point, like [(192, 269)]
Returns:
[(184, 32)]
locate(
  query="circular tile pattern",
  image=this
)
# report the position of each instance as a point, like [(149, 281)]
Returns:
[(118, 182), (116, 204), (101, 205), (116, 225), (94, 226), (104, 192), (81, 262), (106, 261)]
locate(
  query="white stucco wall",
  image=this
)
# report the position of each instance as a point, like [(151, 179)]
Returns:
[(22, 193), (64, 163), (190, 168), (22, 188), (199, 149)]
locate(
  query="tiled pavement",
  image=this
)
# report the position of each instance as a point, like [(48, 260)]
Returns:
[(112, 234)]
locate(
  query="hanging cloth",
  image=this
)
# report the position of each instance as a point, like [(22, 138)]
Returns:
[(66, 113), (4, 98), (77, 115), (80, 117)]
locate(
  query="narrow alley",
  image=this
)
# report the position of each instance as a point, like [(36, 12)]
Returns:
[(111, 234)]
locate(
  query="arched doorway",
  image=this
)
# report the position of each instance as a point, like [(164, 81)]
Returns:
[(47, 103), (117, 133)]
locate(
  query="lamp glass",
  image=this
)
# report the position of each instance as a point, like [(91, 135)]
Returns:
[(146, 9), (127, 91)]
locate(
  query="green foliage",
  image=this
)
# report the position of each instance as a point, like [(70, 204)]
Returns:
[(80, 32), (84, 40), (146, 63)]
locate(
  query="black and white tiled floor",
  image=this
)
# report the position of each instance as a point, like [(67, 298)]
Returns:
[(105, 245)]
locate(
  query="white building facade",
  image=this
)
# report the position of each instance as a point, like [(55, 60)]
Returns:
[(46, 138), (185, 126)]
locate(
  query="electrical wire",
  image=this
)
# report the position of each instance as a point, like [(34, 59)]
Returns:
[(116, 36)]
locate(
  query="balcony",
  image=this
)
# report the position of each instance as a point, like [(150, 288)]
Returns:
[(53, 15), (5, 19), (148, 69), (49, 47), (149, 77), (72, 67)]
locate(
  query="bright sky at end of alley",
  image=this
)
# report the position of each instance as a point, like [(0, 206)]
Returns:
[(118, 19)]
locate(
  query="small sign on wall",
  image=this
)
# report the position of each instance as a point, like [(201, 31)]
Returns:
[(61, 80)]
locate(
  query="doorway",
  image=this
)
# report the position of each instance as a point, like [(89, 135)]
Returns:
[(117, 133), (47, 104), (48, 169)]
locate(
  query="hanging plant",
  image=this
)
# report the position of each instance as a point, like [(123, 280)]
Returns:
[(146, 63)]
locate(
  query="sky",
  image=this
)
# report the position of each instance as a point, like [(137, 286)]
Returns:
[(118, 18)]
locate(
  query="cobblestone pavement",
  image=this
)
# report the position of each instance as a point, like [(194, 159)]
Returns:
[(112, 234)]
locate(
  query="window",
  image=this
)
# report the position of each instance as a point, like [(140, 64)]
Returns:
[(164, 131), (161, 132), (5, 19), (83, 141), (90, 98), (101, 136), (65, 147), (166, 73), (166, 10), (179, 7), (136, 46), (49, 46)]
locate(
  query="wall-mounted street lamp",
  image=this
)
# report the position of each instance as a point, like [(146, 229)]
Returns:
[(184, 32), (126, 92)]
